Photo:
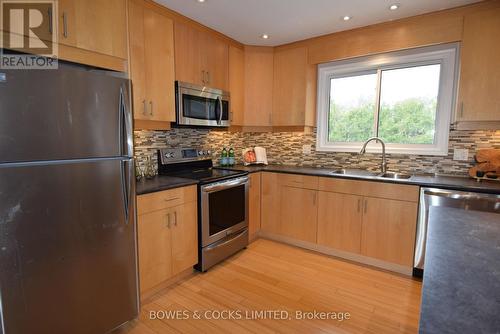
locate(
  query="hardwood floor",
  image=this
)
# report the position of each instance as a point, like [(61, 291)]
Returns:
[(274, 276)]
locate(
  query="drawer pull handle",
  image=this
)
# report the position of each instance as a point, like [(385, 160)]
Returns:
[(168, 220), (171, 199)]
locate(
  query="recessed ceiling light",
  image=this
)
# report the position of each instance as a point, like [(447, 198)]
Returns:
[(265, 36), (394, 6), (346, 18), (201, 1)]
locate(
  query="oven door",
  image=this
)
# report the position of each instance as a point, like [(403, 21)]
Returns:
[(205, 107), (224, 209)]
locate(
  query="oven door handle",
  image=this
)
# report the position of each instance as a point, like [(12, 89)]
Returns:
[(224, 242), (224, 185)]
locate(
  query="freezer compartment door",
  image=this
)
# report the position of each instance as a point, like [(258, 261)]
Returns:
[(68, 247), (69, 113)]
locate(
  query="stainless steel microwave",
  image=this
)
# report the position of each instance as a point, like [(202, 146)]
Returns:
[(201, 106)]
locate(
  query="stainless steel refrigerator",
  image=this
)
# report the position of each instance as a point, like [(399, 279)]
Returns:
[(67, 202)]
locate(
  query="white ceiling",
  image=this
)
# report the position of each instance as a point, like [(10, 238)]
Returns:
[(287, 21)]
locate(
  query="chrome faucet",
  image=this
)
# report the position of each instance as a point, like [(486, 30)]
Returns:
[(383, 166)]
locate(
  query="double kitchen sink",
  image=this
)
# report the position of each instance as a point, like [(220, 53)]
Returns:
[(370, 174)]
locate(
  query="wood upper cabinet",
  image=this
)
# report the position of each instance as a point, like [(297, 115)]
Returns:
[(200, 57), (188, 64), (94, 25), (479, 99), (388, 231), (254, 206), (339, 221), (167, 235), (216, 61), (298, 213), (237, 84), (294, 88), (152, 65), (259, 64)]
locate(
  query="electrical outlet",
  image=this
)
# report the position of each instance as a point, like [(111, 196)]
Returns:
[(306, 149), (460, 154)]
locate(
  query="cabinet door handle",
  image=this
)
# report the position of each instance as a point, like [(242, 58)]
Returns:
[(203, 76), (175, 218), (366, 205), (144, 108), (151, 108), (49, 12), (168, 220), (65, 25), (208, 77), (359, 205)]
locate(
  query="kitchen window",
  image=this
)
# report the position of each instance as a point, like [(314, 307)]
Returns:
[(406, 98)]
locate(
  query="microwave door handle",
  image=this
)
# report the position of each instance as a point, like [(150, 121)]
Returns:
[(219, 99)]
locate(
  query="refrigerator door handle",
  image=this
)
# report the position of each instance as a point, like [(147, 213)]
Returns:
[(125, 188), (125, 119)]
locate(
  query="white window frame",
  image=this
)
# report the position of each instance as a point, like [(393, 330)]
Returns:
[(446, 55)]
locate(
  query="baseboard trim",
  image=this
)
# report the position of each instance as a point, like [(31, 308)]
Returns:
[(150, 293), (407, 271)]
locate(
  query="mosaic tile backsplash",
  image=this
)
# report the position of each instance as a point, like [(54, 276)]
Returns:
[(286, 148)]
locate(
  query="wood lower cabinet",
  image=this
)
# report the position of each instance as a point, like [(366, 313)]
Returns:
[(254, 205), (298, 213), (167, 235), (339, 221), (270, 203), (155, 258), (388, 231), (289, 206), (480, 68), (152, 66), (184, 237), (370, 222)]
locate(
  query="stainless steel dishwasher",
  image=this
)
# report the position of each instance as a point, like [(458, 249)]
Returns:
[(448, 198)]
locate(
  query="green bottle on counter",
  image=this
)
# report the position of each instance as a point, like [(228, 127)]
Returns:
[(224, 158), (231, 157)]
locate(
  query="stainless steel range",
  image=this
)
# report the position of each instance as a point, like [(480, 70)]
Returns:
[(222, 202)]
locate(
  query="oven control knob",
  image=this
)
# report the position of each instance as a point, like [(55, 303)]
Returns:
[(209, 152), (200, 153), (169, 155)]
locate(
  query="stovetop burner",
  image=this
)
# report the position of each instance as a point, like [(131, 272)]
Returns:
[(192, 164), (208, 175)]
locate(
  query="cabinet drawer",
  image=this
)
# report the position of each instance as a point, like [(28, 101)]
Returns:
[(165, 199), (402, 192), (299, 181)]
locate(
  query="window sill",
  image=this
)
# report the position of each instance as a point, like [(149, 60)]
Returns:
[(389, 150)]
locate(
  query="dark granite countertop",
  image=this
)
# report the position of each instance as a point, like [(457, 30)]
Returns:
[(461, 286), (159, 183), (445, 182)]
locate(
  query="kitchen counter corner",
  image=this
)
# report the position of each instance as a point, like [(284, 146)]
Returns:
[(160, 183), (461, 286)]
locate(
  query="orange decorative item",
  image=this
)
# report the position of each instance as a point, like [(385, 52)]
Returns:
[(488, 165)]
